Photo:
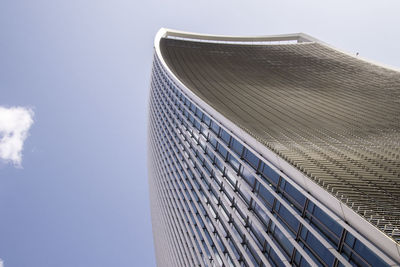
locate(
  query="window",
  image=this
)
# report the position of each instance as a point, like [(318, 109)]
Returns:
[(247, 176), (324, 224), (251, 159), (236, 147), (266, 197), (225, 136), (269, 174), (206, 120), (293, 195), (222, 151), (199, 114), (281, 239), (288, 218), (314, 245), (214, 127), (233, 162)]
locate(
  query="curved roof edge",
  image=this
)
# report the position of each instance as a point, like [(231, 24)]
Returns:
[(345, 214), (299, 37)]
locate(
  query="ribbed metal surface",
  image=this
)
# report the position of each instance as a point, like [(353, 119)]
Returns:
[(334, 117)]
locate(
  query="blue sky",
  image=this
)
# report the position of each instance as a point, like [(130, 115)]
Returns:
[(83, 67)]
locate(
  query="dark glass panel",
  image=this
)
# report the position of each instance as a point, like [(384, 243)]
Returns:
[(247, 176), (191, 118), (261, 214), (214, 127), (197, 125), (199, 114), (213, 141), (282, 240), (206, 120), (251, 159), (325, 224), (233, 162), (295, 197), (367, 255), (222, 151), (231, 178), (219, 165), (236, 147), (288, 217), (323, 253), (266, 196), (269, 174), (245, 195), (225, 136)]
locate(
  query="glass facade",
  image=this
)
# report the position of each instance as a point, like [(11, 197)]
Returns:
[(216, 202)]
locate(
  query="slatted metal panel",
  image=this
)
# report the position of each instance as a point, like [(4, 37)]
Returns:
[(332, 116)]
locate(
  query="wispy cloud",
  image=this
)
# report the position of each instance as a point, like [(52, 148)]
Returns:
[(14, 126)]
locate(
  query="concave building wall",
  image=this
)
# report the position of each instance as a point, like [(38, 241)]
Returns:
[(272, 151)]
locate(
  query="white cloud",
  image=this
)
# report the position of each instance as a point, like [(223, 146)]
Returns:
[(14, 126)]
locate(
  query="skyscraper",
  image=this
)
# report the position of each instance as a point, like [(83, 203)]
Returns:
[(272, 151)]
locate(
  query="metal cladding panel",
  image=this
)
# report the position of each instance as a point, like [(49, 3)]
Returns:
[(332, 116)]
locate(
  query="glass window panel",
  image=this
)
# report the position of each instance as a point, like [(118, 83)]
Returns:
[(349, 239), (269, 174), (206, 119), (231, 178), (251, 159), (233, 162), (261, 214), (225, 136), (214, 127), (236, 147), (310, 253), (222, 151), (295, 196), (325, 224), (199, 114), (266, 196), (319, 249), (245, 195), (191, 118), (282, 240), (197, 125), (185, 113), (288, 217), (368, 255), (275, 258), (213, 141), (204, 131), (202, 143), (247, 176), (257, 234), (219, 165), (192, 107)]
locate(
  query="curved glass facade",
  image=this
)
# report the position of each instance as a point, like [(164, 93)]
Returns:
[(216, 202)]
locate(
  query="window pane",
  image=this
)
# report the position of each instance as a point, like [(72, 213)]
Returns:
[(214, 127), (225, 136), (251, 159), (266, 196), (233, 162), (295, 196), (236, 147), (270, 175), (206, 120), (247, 176)]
